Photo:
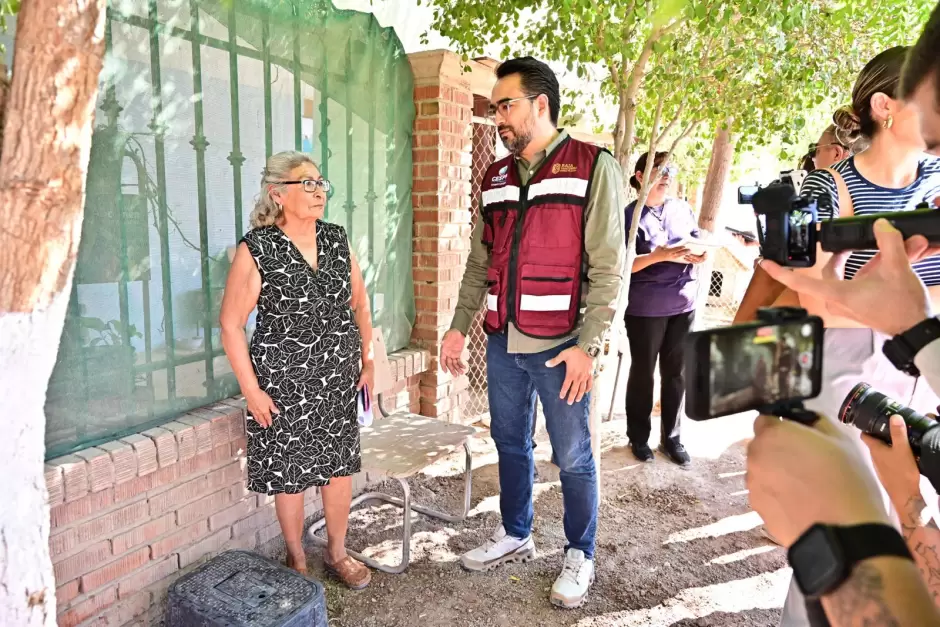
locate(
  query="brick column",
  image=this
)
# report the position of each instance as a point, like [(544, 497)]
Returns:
[(441, 198)]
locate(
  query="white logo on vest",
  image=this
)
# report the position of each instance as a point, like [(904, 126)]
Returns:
[(500, 179)]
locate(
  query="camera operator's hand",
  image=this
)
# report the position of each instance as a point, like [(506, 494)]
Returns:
[(885, 295), (669, 253), (798, 476), (895, 464)]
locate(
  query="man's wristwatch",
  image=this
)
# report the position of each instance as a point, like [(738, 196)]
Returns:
[(824, 556), (901, 349)]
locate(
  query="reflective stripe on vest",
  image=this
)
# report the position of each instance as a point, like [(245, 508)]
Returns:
[(535, 236)]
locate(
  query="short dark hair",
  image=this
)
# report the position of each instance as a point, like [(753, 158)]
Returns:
[(924, 58), (536, 79), (641, 166)]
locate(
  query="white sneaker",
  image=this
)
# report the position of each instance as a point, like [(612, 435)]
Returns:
[(499, 549), (570, 589)]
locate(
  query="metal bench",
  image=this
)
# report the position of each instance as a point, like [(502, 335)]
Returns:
[(400, 446)]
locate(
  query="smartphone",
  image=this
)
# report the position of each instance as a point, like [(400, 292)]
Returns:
[(751, 366)]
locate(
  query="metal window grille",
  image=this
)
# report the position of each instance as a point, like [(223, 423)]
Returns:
[(195, 95)]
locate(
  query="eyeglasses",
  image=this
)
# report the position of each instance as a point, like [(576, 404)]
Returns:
[(503, 106), (310, 185), (670, 171)]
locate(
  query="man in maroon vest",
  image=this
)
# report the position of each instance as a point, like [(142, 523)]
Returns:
[(547, 258)]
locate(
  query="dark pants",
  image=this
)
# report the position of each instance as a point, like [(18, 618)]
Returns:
[(662, 337)]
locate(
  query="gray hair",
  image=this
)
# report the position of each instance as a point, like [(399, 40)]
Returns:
[(279, 167)]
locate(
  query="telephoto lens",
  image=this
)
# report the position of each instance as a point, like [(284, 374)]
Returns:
[(870, 411)]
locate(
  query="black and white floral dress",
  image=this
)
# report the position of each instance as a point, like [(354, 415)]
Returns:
[(306, 352)]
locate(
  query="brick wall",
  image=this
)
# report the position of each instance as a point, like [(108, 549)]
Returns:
[(129, 517), (441, 197)]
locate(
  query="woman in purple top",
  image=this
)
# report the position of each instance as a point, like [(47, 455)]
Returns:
[(660, 310)]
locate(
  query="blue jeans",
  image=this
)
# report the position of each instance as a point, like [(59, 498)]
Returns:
[(514, 381)]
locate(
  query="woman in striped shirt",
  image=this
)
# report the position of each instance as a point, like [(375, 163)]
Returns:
[(889, 172)]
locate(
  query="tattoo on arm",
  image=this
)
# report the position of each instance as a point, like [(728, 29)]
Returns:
[(923, 540), (861, 600)]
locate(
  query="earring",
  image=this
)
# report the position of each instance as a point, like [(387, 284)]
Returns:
[(889, 122)]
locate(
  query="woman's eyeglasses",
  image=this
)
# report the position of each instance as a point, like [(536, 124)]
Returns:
[(310, 185), (670, 171)]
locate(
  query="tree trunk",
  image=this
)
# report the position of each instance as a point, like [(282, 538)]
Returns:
[(46, 144), (719, 169)]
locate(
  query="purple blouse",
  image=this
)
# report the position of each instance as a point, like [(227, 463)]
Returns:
[(665, 288)]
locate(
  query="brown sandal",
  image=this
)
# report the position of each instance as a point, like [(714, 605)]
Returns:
[(352, 573)]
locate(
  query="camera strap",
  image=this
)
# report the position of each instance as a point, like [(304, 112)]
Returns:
[(846, 206)]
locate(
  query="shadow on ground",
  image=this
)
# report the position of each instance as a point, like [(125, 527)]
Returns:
[(674, 547)]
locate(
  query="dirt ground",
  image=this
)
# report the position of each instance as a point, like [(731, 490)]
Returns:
[(675, 547)]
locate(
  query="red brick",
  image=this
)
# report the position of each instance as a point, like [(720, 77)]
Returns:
[(145, 451), (103, 526), (171, 543), (174, 497), (135, 487), (427, 92), (143, 534), (123, 458), (166, 478), (87, 560), (100, 468), (68, 513), (222, 454), (260, 518), (195, 465), (218, 424), (185, 438), (240, 493), (74, 476), (203, 508), (211, 544), (55, 485), (115, 570), (266, 534), (87, 608), (230, 515), (239, 447), (203, 429), (429, 108), (123, 613), (236, 424), (62, 543), (225, 476), (65, 593), (245, 543), (147, 576), (165, 442)]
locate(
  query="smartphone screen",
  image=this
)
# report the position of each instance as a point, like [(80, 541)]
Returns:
[(749, 366)]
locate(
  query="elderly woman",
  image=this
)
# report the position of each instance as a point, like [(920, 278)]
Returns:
[(310, 353)]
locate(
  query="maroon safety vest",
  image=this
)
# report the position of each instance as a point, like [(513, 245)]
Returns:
[(535, 235)]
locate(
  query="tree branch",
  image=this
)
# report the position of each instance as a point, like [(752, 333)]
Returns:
[(672, 123)]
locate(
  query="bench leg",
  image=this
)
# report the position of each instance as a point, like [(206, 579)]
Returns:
[(406, 506)]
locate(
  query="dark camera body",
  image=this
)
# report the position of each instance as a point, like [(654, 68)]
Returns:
[(792, 227), (771, 365)]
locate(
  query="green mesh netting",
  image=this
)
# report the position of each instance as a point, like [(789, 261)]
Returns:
[(182, 134)]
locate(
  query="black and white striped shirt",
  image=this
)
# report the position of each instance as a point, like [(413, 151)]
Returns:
[(869, 198)]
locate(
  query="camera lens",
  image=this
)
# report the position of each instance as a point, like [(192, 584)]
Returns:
[(870, 411)]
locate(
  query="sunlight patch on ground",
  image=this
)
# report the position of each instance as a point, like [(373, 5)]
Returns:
[(425, 545), (739, 493), (742, 555), (491, 503), (765, 591), (728, 475), (375, 514), (725, 526)]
